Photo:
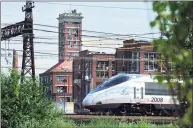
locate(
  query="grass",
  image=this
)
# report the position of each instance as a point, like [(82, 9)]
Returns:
[(54, 123), (115, 124), (67, 123)]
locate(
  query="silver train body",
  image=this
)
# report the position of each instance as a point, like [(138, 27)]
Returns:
[(131, 93)]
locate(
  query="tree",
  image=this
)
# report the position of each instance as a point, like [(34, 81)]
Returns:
[(21, 103), (175, 21)]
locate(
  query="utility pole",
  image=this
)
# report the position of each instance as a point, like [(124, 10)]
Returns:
[(64, 102), (28, 64), (82, 92), (64, 92)]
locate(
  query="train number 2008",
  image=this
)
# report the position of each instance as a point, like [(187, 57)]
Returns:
[(157, 99)]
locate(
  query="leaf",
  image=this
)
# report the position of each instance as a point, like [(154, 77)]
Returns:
[(160, 79), (153, 23), (173, 18), (27, 100)]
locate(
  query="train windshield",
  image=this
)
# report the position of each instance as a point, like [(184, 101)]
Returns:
[(118, 79), (115, 80)]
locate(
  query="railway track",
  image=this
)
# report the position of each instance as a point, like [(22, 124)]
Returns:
[(150, 119)]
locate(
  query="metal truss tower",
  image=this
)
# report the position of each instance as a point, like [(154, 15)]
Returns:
[(24, 28), (28, 64)]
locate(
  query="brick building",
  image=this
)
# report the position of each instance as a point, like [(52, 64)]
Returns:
[(59, 77), (137, 57), (70, 31), (58, 80), (89, 70)]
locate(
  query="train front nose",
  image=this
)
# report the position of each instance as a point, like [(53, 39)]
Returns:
[(87, 100)]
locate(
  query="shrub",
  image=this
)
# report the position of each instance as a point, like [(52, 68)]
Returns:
[(26, 105)]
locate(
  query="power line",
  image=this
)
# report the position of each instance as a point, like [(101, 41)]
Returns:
[(101, 37), (92, 36), (96, 59), (21, 67), (8, 67), (99, 40), (108, 7), (34, 52), (72, 34), (91, 31), (100, 60), (91, 58), (125, 36), (82, 44), (108, 33), (39, 37), (62, 46), (97, 46)]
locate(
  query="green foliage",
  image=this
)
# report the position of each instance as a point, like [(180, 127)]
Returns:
[(25, 103), (25, 106), (117, 124), (175, 21), (48, 123)]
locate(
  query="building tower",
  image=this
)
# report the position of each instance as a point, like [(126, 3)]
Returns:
[(70, 31)]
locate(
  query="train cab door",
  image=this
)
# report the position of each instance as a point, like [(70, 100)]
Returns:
[(138, 93)]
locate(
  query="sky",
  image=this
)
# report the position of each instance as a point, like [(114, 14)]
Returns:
[(127, 18)]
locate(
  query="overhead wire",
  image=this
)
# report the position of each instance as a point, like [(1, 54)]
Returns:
[(89, 58), (9, 67), (21, 67), (92, 36), (87, 45), (83, 70), (132, 49), (83, 41), (95, 6), (75, 65), (91, 31), (99, 6), (124, 35), (34, 51), (82, 44)]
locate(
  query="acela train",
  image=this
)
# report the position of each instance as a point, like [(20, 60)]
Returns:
[(131, 93)]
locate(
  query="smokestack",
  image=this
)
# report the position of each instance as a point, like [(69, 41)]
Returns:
[(15, 60)]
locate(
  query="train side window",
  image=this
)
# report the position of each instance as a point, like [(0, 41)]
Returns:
[(155, 89)]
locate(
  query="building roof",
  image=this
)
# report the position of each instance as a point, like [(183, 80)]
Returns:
[(132, 43), (65, 66), (136, 41), (96, 53), (71, 14)]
